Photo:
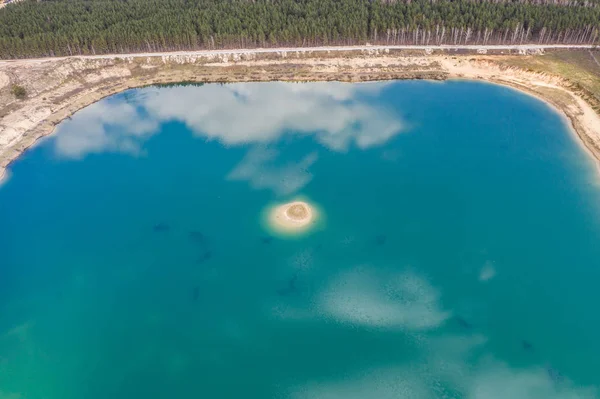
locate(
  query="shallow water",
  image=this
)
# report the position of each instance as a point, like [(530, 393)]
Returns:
[(456, 254)]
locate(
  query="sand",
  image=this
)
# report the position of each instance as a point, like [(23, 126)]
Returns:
[(292, 217), (59, 87), (4, 80)]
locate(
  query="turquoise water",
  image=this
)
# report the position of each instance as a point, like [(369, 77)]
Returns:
[(456, 255)]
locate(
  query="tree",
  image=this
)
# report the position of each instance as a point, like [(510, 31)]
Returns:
[(33, 28)]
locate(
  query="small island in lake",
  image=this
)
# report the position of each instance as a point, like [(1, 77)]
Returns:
[(295, 216)]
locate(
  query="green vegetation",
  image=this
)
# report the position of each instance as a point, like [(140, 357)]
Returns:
[(66, 27), (18, 91), (579, 67)]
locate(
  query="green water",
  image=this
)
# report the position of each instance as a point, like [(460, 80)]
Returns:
[(456, 255)]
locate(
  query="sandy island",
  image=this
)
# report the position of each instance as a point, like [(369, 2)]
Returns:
[(293, 216), (59, 87)]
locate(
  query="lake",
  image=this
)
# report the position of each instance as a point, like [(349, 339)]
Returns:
[(455, 255)]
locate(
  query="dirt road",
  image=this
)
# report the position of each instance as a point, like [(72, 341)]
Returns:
[(478, 48)]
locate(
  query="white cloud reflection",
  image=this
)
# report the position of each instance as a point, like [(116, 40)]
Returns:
[(497, 380), (338, 114), (490, 379), (392, 383), (365, 297), (398, 300), (106, 126), (258, 168), (488, 272), (444, 364), (262, 112)]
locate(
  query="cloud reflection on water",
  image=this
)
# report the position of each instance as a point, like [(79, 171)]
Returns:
[(338, 114), (364, 297), (397, 300), (107, 126), (258, 169), (453, 378), (449, 365)]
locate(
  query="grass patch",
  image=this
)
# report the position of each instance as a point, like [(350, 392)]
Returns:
[(19, 92), (580, 67)]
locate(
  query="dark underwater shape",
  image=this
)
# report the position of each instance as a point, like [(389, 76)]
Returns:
[(380, 239), (195, 293), (206, 256), (290, 288), (160, 227), (463, 323), (555, 375), (527, 345), (266, 239), (197, 236)]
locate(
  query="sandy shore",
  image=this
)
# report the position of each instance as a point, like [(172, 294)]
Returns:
[(59, 87)]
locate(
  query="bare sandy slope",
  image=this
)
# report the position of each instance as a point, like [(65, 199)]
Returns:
[(4, 80), (59, 87)]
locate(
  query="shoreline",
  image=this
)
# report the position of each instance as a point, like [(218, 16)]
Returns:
[(582, 121), (23, 123), (570, 121)]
